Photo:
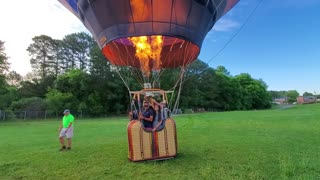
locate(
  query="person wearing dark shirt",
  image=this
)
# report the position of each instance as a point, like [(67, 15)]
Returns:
[(147, 115), (133, 115), (157, 122)]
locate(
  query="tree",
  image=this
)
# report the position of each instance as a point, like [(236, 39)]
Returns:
[(7, 93), (29, 104), (75, 82), (77, 47), (36, 87), (104, 80), (222, 70), (216, 89), (191, 95), (228, 94), (255, 94), (4, 64), (28, 89), (278, 94), (59, 60), (292, 96), (57, 100), (100, 68), (14, 78), (42, 52), (210, 90), (7, 96), (307, 94)]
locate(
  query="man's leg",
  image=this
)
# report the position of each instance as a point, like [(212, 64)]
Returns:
[(69, 136), (69, 143), (61, 139), (63, 147)]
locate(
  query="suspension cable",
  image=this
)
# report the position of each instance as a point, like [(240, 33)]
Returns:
[(125, 83), (176, 105)]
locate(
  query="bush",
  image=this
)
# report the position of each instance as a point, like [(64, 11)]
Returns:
[(29, 104)]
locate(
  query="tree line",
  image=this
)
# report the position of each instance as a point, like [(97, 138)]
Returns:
[(72, 73)]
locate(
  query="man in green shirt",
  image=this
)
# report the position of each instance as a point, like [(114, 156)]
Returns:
[(66, 129)]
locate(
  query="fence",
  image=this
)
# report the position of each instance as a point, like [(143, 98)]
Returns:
[(2, 115), (47, 114), (51, 114)]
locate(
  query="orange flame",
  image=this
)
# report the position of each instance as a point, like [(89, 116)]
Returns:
[(148, 49)]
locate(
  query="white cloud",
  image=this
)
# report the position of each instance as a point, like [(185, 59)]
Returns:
[(22, 20), (225, 25)]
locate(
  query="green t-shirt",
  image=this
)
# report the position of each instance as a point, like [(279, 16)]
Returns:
[(66, 120)]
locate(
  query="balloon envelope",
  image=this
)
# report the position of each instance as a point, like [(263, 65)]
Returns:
[(179, 25)]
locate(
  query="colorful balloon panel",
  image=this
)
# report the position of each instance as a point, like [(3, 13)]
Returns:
[(149, 34)]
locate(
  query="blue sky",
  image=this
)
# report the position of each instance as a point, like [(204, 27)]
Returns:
[(280, 43)]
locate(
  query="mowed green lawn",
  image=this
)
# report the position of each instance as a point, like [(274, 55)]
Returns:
[(272, 144)]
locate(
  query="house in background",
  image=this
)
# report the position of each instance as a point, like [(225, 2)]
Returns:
[(306, 99), (283, 100)]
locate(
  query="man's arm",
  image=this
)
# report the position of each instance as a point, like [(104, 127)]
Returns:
[(150, 119), (130, 115), (157, 126), (145, 118), (69, 126), (60, 128)]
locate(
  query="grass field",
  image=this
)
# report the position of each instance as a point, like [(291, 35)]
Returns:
[(272, 144)]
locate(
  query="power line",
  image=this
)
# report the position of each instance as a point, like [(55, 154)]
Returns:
[(242, 26)]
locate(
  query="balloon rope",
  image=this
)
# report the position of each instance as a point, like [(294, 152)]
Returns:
[(176, 105), (123, 56), (217, 6), (136, 75), (125, 83)]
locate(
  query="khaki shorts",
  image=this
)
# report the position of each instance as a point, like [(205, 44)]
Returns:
[(68, 134)]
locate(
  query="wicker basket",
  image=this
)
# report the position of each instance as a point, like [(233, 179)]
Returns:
[(144, 145)]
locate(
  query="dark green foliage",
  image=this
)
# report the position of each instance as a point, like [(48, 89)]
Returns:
[(228, 93), (29, 104), (192, 96), (14, 78), (75, 86), (292, 96), (4, 64), (217, 90), (307, 94), (7, 92), (255, 95), (278, 94), (76, 50), (36, 87), (72, 73), (57, 100), (42, 52), (7, 96)]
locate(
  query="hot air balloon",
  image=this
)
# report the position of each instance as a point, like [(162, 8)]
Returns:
[(147, 37)]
